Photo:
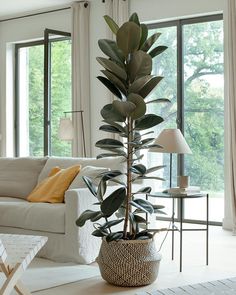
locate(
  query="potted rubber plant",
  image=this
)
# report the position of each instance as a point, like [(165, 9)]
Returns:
[(127, 255)]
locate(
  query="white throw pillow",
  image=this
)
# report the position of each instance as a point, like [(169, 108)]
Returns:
[(92, 172), (114, 163)]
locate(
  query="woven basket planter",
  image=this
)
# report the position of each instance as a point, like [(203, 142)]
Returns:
[(129, 263)]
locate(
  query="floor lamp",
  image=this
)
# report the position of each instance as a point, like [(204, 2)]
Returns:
[(66, 128), (172, 142)]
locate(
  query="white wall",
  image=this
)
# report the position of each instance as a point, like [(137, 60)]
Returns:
[(156, 10)]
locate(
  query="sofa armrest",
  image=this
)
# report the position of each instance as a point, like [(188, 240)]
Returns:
[(80, 241)]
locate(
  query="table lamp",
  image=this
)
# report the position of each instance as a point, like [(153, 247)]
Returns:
[(66, 128), (172, 142)]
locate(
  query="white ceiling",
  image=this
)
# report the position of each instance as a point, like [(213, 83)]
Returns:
[(11, 8)]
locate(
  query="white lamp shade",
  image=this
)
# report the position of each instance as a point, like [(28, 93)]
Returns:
[(66, 129), (172, 141)]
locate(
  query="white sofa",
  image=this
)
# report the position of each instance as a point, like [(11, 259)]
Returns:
[(66, 242)]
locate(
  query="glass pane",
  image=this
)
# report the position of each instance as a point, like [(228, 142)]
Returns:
[(164, 65), (31, 64), (61, 100), (204, 115)]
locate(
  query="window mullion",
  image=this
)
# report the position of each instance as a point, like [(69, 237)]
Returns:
[(47, 113)]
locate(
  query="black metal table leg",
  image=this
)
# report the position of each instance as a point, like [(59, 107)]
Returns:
[(207, 228), (181, 233), (173, 227)]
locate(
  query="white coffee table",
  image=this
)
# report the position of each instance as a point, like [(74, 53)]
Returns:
[(16, 253)]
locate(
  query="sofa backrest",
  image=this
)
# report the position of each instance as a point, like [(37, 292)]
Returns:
[(19, 176), (114, 163)]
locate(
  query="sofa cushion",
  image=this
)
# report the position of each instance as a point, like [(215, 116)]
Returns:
[(114, 163), (18, 176), (92, 172), (44, 217), (52, 188)]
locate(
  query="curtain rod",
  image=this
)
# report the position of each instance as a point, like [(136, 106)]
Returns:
[(34, 14)]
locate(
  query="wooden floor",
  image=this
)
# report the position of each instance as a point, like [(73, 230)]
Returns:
[(220, 287), (222, 265)]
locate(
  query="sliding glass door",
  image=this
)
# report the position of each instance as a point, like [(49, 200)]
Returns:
[(204, 114), (192, 67)]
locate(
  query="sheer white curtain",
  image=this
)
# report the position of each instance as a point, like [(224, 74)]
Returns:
[(80, 75), (118, 10), (230, 116)]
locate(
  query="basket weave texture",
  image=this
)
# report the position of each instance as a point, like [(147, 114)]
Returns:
[(129, 263)]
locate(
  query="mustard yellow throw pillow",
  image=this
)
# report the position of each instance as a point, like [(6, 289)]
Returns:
[(52, 189)]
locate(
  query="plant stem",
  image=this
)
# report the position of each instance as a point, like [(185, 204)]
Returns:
[(129, 176)]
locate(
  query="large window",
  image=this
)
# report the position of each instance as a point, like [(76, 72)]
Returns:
[(41, 99), (192, 67)]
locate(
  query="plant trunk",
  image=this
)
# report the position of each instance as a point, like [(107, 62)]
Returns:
[(129, 176)]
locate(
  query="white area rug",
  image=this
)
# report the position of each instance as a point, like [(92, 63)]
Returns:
[(44, 274), (219, 287)]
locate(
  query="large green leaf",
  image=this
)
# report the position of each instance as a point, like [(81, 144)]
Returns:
[(114, 236), (87, 215), (125, 108), (157, 209), (110, 86), (109, 113), (140, 65), (111, 223), (140, 106), (144, 34), (109, 142), (150, 41), (90, 185), (134, 18), (151, 177), (113, 67), (157, 50), (108, 155), (111, 174), (100, 233), (111, 23), (147, 140), (109, 128), (128, 37), (143, 205), (113, 201), (116, 81), (140, 168), (102, 187), (144, 190), (153, 169), (159, 100), (149, 86), (148, 121), (138, 84), (117, 125), (139, 219), (110, 48)]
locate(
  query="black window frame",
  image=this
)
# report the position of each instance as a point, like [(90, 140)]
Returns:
[(47, 86)]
